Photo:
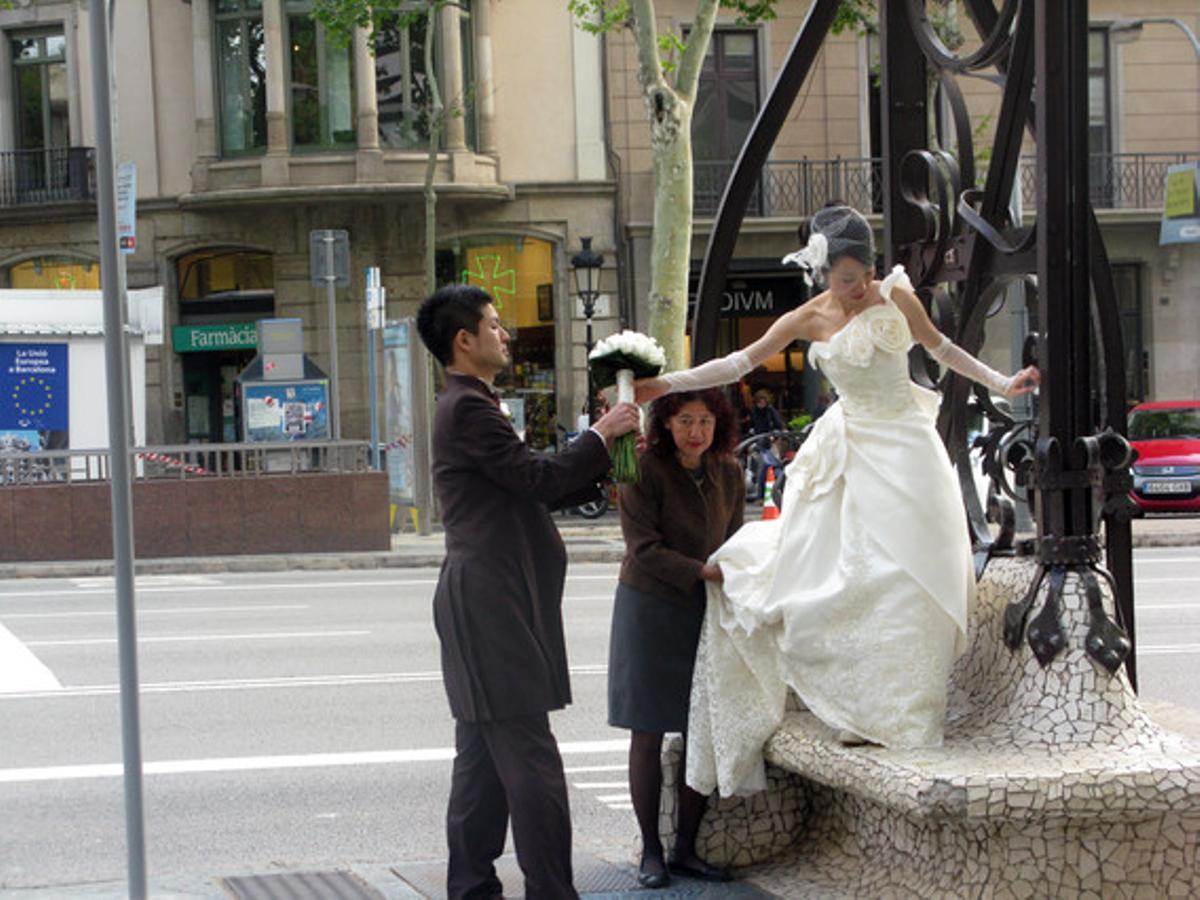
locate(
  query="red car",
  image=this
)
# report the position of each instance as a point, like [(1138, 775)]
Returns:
[(1166, 475)]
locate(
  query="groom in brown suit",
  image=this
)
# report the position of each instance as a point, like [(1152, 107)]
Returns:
[(498, 604)]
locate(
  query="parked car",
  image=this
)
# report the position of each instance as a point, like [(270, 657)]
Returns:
[(1166, 475)]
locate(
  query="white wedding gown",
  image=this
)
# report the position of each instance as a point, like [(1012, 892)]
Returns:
[(856, 597)]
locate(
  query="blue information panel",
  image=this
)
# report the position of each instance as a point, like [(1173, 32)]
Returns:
[(286, 411), (34, 408)]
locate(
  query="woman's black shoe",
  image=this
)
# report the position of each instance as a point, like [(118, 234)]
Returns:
[(695, 867), (652, 873)]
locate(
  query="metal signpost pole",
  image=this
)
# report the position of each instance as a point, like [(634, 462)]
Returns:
[(335, 400), (116, 374), (374, 323)]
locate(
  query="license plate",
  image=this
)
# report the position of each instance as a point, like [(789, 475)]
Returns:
[(1167, 487)]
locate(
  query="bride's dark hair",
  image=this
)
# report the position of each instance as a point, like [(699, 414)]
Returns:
[(847, 232), (659, 440)]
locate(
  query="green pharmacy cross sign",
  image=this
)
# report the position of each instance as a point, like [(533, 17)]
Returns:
[(495, 281)]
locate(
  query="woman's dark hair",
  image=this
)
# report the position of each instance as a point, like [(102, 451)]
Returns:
[(447, 311), (847, 232), (661, 443)]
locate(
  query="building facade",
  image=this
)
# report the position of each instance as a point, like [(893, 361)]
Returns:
[(250, 128), (1145, 116)]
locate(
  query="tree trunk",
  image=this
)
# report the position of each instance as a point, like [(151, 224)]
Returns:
[(436, 114), (671, 242)]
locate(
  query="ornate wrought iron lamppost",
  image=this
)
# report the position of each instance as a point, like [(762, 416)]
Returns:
[(585, 267)]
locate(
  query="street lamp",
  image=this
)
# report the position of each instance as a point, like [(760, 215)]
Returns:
[(1124, 30), (585, 267)]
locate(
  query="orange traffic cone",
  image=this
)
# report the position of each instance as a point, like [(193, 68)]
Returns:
[(770, 510)]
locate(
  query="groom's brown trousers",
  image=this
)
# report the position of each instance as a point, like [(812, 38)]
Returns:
[(508, 768)]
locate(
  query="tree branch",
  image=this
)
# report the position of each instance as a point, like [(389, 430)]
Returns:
[(688, 76), (645, 35)]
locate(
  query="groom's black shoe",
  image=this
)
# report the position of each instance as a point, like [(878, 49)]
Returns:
[(694, 867), (652, 873)]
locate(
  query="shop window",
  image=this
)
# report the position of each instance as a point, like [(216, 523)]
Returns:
[(222, 294), (54, 273), (241, 76), (322, 83), (401, 88), (519, 275)]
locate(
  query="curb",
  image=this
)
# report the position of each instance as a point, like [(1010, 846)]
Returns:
[(579, 551)]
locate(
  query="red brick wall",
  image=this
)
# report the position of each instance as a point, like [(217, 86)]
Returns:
[(281, 513)]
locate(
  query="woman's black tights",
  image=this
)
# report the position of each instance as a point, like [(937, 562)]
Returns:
[(645, 788)]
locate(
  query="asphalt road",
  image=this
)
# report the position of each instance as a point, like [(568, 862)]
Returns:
[(296, 720)]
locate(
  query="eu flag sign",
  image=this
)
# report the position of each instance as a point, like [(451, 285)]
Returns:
[(33, 387)]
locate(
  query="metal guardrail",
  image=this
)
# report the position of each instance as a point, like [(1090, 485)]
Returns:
[(797, 188), (51, 175), (186, 462)]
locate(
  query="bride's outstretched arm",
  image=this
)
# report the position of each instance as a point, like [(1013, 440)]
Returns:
[(789, 327), (954, 357)]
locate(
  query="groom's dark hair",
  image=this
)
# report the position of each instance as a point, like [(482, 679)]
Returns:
[(445, 313)]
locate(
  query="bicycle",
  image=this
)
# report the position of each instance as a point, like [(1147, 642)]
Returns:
[(606, 489)]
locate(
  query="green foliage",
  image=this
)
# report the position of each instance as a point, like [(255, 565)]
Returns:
[(797, 423), (341, 17), (600, 16)]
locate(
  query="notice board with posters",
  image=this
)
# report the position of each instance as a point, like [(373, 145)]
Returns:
[(285, 411), (1181, 208), (34, 399), (398, 362)]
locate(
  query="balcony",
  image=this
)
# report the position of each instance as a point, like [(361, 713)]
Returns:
[(52, 175), (798, 188)]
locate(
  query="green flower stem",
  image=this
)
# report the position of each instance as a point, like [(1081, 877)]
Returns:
[(624, 458)]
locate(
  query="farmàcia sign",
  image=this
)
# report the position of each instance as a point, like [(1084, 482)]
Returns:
[(195, 338)]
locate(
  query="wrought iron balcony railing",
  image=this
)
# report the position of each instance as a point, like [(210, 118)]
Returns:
[(52, 175), (794, 188)]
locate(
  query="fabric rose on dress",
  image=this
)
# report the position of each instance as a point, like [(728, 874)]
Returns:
[(854, 341), (890, 332)]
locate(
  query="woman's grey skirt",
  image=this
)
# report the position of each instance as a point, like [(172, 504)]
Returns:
[(651, 652)]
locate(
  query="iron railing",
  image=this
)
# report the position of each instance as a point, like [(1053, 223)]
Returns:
[(186, 461), (797, 188), (1116, 180), (52, 175)]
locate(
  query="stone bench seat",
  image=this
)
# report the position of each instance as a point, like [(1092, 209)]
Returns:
[(1052, 781), (974, 778)]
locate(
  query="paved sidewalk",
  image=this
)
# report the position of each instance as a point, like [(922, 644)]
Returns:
[(587, 542)]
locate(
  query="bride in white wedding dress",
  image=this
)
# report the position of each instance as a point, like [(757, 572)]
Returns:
[(856, 597)]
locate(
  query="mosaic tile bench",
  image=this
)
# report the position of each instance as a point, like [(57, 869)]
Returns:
[(1052, 782)]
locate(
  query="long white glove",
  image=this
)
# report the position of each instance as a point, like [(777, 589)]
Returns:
[(952, 356), (725, 370)]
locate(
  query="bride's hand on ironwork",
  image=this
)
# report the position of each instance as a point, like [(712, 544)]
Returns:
[(1024, 381), (712, 572)]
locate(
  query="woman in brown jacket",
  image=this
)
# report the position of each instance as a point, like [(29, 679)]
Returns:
[(688, 501)]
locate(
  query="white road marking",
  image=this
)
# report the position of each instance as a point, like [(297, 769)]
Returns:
[(614, 798), (255, 586), (144, 580), (620, 806), (580, 769), (599, 785), (1158, 560), (1168, 649), (20, 669), (258, 684), (1159, 607), (153, 612), (1140, 581), (189, 638), (272, 763)]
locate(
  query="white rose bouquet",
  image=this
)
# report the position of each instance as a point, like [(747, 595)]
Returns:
[(619, 359)]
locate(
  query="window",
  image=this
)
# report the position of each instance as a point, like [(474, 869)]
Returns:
[(55, 273), (727, 101), (241, 76), (40, 77), (400, 85), (322, 84), (225, 273), (1101, 173)]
